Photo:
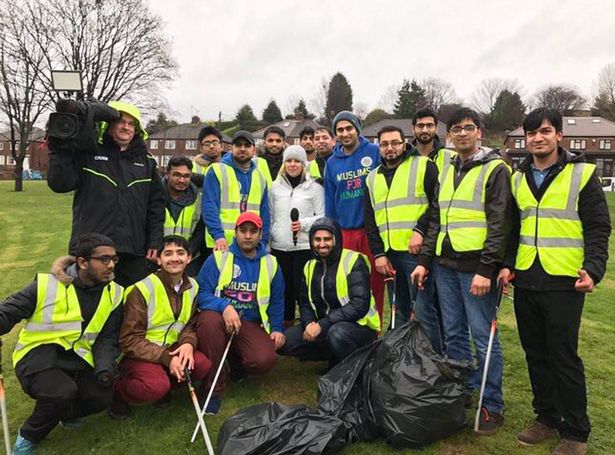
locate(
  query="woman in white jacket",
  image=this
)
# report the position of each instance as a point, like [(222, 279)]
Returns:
[(294, 188)]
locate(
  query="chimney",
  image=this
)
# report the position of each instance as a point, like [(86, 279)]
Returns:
[(299, 116), (195, 120)]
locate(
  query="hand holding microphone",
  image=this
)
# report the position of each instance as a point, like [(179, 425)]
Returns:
[(295, 225)]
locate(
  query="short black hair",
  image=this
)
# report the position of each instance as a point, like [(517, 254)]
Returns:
[(424, 112), (177, 161), (274, 129), (87, 243), (327, 129), (175, 240), (307, 131), (391, 129), (461, 114), (535, 118), (207, 130)]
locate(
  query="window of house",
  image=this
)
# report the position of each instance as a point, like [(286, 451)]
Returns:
[(190, 145), (1, 160), (169, 145), (520, 143), (600, 167), (153, 144), (605, 144), (10, 161), (578, 144), (1, 145)]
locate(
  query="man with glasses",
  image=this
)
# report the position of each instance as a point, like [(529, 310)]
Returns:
[(475, 207), (66, 351), (210, 141), (400, 207), (234, 186), (426, 140), (324, 141)]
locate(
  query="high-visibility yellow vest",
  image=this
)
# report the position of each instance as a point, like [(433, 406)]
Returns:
[(443, 162), (57, 318), (186, 221), (552, 228), (263, 167), (268, 268), (398, 208), (163, 328), (462, 210), (230, 199), (348, 259), (313, 169)]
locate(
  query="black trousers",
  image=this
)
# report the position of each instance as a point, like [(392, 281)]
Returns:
[(61, 395), (548, 324), (292, 263), (132, 268)]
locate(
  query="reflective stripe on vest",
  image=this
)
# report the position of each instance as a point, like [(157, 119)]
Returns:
[(398, 208), (163, 328), (261, 165), (230, 199), (443, 161), (267, 270), (552, 228), (57, 318), (186, 221), (198, 168), (462, 210), (314, 170), (348, 259)]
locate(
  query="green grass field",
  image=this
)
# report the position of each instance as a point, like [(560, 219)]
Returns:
[(34, 229)]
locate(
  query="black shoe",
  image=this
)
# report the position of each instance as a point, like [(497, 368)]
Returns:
[(119, 409), (468, 402), (489, 423), (238, 374), (164, 402)]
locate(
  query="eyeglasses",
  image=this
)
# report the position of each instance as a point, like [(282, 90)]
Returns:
[(422, 126), (106, 259), (456, 130), (394, 144), (210, 143)]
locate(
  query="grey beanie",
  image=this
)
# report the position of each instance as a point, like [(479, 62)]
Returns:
[(349, 117), (295, 152)]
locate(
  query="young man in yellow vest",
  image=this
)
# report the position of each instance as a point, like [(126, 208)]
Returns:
[(233, 186), (241, 291), (401, 206), (475, 206), (66, 351), (426, 140), (158, 336), (558, 254), (183, 210), (324, 141), (212, 151), (306, 140), (338, 311)]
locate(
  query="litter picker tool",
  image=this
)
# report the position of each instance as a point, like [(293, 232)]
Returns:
[(5, 418), (201, 422), (393, 298)]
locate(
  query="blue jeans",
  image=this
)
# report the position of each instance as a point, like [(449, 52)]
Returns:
[(464, 314), (425, 306)]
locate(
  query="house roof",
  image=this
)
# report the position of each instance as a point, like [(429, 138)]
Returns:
[(405, 125), (37, 135), (580, 127), (291, 127), (186, 131)]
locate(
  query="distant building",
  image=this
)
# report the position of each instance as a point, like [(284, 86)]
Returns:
[(592, 136), (291, 127), (36, 154)]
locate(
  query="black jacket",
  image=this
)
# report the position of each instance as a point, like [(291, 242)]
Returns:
[(437, 145), (274, 162), (594, 214), (429, 220), (106, 349), (117, 194), (328, 308), (498, 210)]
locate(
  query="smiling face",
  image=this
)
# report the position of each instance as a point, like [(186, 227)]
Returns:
[(99, 267), (424, 130), (543, 141), (307, 142), (465, 136), (392, 146), (293, 167), (323, 243), (173, 259), (242, 151), (179, 178), (347, 134), (274, 143), (323, 143), (123, 130)]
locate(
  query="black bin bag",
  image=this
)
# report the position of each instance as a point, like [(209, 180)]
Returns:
[(276, 429)]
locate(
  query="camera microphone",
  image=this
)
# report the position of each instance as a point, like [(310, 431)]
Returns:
[(294, 216)]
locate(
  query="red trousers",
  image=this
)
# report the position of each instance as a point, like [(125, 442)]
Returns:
[(145, 382), (356, 239), (251, 349)]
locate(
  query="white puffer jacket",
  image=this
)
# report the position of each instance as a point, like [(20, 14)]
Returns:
[(308, 197)]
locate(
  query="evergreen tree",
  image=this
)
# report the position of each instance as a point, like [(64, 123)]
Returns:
[(507, 113), (302, 108), (339, 96), (160, 123), (272, 113), (246, 119), (411, 97)]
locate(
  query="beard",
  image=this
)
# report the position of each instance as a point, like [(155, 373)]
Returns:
[(424, 141)]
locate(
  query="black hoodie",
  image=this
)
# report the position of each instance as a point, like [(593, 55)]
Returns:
[(328, 308)]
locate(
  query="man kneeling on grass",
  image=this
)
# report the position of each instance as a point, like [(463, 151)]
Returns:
[(158, 335)]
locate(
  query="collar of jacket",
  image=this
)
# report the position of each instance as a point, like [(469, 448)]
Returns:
[(168, 284), (564, 157)]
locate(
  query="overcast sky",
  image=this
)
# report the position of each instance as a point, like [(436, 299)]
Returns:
[(235, 52)]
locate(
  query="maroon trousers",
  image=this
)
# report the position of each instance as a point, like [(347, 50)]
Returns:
[(145, 382), (251, 349)]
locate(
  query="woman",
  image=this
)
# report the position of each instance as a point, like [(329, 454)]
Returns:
[(294, 188)]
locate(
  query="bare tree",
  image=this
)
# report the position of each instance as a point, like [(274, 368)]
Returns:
[(389, 98), (604, 104), (564, 98), (361, 110), (318, 102), (438, 92), (487, 92)]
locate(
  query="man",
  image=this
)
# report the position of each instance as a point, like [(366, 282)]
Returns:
[(66, 351), (475, 204), (401, 206), (560, 240), (324, 141), (353, 158), (183, 209), (241, 291), (158, 336), (426, 140), (117, 190), (273, 149), (338, 312), (210, 141), (234, 186), (306, 140)]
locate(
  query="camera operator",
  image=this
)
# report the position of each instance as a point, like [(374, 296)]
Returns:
[(100, 154)]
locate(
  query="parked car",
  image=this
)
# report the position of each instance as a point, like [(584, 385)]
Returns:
[(30, 174), (608, 183)]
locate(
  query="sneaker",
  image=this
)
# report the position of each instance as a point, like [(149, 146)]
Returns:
[(489, 422), (213, 407), (164, 402), (23, 446), (536, 433), (72, 424), (237, 374), (119, 409), (570, 447)]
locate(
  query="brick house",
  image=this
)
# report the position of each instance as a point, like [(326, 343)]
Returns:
[(291, 127), (593, 136), (36, 154)]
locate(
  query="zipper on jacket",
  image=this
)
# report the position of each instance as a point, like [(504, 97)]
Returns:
[(322, 286)]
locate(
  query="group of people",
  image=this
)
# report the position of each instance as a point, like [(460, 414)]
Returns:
[(165, 276)]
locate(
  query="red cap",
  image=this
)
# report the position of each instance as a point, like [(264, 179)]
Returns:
[(249, 217)]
